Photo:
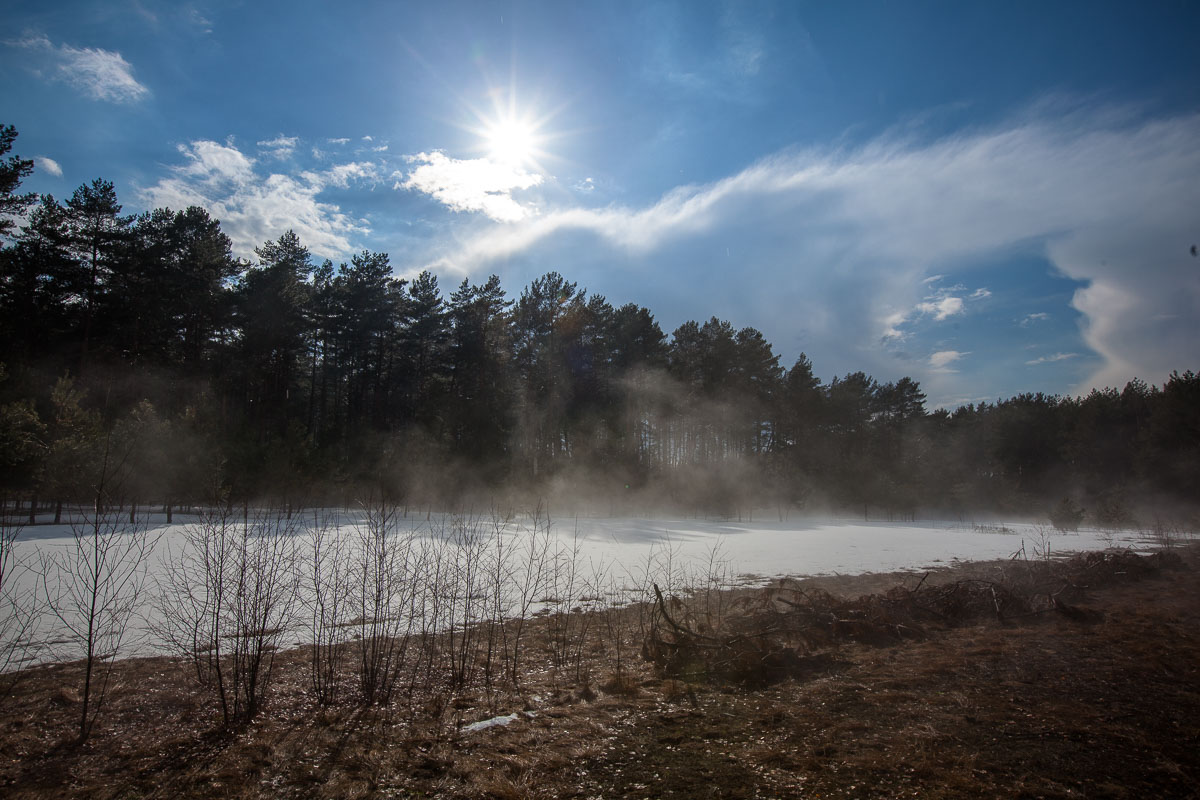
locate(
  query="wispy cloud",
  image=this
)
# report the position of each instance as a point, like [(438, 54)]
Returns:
[(198, 20), (1053, 358), (281, 146), (100, 74), (339, 140), (253, 207), (49, 165), (1030, 319), (476, 184), (941, 360)]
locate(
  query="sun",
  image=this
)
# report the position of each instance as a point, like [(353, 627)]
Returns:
[(511, 141)]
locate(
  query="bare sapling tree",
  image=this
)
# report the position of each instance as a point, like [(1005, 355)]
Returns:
[(661, 567), (429, 614), (264, 600), (465, 598), (328, 601), (615, 616), (715, 580), (93, 586), (190, 591), (228, 598), (563, 586), (384, 581), (591, 604), (528, 586), (18, 608), (499, 571)]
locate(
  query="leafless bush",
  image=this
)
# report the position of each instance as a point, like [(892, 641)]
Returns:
[(464, 595), (227, 599), (529, 576), (385, 593), (18, 611), (93, 588), (563, 585), (327, 588)]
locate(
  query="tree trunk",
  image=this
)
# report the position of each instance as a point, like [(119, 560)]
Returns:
[(58, 512), (33, 509)]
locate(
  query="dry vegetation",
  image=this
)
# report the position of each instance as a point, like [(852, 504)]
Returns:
[(1029, 678)]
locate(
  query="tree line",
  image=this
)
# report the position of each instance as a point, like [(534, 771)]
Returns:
[(139, 345)]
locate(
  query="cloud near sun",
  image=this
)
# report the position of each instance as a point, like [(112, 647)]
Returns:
[(1106, 201), (477, 184)]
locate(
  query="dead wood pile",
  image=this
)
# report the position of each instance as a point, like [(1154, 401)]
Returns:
[(782, 631)]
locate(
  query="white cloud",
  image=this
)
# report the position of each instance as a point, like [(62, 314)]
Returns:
[(1053, 358), (49, 164), (941, 360), (100, 74), (892, 323), (340, 140), (1039, 316), (381, 149), (941, 308), (368, 139), (979, 294), (476, 184), (216, 164), (342, 174), (844, 239), (254, 208), (281, 146)]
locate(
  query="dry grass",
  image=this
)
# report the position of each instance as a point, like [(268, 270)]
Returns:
[(1106, 704)]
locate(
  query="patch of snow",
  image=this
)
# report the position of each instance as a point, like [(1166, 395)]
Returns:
[(484, 724)]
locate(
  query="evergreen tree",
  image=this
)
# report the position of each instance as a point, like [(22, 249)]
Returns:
[(98, 235), (12, 171)]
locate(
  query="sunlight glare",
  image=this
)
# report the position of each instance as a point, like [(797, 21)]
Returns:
[(511, 141)]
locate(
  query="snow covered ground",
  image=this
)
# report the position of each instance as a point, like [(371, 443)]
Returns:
[(619, 547)]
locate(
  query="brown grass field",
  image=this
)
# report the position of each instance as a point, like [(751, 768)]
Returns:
[(1098, 696)]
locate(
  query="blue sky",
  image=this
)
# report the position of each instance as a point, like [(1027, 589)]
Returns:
[(989, 197)]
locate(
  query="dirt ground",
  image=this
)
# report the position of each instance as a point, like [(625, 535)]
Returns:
[(1101, 701)]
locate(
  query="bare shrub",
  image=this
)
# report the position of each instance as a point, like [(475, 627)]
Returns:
[(387, 562), (327, 596), (93, 588), (562, 587), (528, 582), (18, 608), (227, 600), (464, 595)]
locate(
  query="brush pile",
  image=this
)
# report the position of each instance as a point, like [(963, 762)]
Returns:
[(767, 635)]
